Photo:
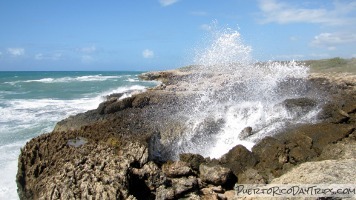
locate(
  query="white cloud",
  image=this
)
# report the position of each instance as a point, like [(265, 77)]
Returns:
[(148, 53), (206, 27), (16, 51), (167, 2), (332, 39), (283, 13), (90, 49), (54, 56)]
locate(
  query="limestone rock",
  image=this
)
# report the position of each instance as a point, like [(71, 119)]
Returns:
[(325, 172), (238, 159), (179, 187), (271, 154), (176, 169), (217, 175), (194, 160)]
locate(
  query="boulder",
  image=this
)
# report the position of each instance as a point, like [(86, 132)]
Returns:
[(271, 154), (251, 176), (299, 106), (194, 160), (238, 159), (177, 188), (176, 169), (217, 175)]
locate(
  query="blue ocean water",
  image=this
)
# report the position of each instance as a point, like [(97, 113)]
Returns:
[(32, 102)]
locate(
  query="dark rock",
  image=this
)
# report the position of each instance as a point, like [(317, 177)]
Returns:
[(102, 106), (271, 154), (323, 134), (300, 148), (217, 175), (238, 159), (140, 101), (251, 176), (245, 133), (332, 113), (299, 106), (176, 169), (179, 187), (119, 105), (194, 160)]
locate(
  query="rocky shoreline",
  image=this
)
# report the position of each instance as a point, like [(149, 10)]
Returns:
[(115, 151)]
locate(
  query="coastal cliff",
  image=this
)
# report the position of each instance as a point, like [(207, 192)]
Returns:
[(124, 148)]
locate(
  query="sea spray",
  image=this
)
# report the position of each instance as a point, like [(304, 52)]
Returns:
[(235, 92)]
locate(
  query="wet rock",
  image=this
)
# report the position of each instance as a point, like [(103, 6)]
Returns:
[(246, 132), (217, 175), (332, 113), (238, 159), (176, 169), (194, 160), (119, 105), (299, 105), (271, 154)]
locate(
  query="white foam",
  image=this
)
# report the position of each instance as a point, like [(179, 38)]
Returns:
[(89, 78), (241, 92)]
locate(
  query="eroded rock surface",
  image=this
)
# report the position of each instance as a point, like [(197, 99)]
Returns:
[(126, 156)]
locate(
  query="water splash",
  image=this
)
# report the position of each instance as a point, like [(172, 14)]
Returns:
[(234, 92)]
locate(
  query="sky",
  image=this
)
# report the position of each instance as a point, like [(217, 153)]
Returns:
[(142, 35)]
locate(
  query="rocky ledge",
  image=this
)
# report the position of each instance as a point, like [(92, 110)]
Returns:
[(115, 151)]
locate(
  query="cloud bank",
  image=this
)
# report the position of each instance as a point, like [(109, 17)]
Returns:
[(16, 51), (284, 13)]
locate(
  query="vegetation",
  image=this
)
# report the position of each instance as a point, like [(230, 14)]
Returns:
[(332, 65)]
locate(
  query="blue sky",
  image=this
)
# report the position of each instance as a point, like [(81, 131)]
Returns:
[(161, 34)]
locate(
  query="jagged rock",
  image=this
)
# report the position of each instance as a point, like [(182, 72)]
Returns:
[(140, 101), (271, 154), (332, 113), (300, 148), (322, 172), (340, 150), (176, 169), (179, 187), (217, 175), (251, 176), (194, 160), (323, 134), (238, 159), (119, 105), (151, 174)]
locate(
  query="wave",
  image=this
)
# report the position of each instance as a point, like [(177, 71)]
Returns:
[(88, 78)]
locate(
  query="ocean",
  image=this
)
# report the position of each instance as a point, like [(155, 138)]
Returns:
[(31, 103)]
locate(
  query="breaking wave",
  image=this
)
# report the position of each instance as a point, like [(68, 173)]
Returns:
[(240, 100)]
